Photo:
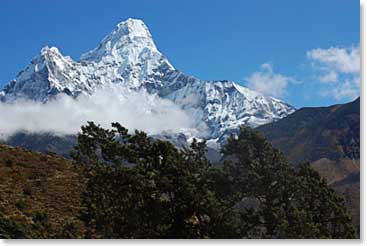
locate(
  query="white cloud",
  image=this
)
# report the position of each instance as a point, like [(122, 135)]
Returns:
[(340, 60), (268, 82), (339, 67), (332, 76), (64, 115), (346, 89)]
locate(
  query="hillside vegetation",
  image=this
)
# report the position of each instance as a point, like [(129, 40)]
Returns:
[(123, 185), (314, 133), (329, 138), (40, 194)]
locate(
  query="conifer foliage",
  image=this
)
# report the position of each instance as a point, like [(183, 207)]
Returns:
[(139, 187)]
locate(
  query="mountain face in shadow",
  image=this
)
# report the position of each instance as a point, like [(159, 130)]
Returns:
[(329, 138), (43, 142), (310, 134)]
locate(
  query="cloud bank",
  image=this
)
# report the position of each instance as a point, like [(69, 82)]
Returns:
[(338, 69), (64, 115), (269, 83)]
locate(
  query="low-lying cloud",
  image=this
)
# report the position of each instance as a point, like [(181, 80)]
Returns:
[(65, 115)]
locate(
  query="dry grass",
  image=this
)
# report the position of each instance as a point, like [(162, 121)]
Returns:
[(41, 191)]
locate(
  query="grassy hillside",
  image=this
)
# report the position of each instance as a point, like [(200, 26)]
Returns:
[(349, 188), (40, 193)]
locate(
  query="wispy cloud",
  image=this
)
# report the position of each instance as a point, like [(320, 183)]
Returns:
[(331, 76), (64, 115), (268, 82), (338, 69)]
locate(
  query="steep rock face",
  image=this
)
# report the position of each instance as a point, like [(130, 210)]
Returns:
[(128, 57), (48, 74), (225, 105)]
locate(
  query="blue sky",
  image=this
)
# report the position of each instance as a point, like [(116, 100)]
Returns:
[(303, 52)]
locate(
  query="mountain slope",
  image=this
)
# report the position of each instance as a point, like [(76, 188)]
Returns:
[(43, 142), (41, 193), (349, 188), (128, 57), (315, 133), (329, 138)]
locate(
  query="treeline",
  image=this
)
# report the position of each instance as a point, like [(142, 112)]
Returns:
[(144, 188), (139, 187)]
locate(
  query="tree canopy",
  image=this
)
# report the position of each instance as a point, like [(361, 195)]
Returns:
[(140, 187)]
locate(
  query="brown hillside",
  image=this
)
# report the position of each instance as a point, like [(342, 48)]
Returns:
[(41, 192), (329, 138)]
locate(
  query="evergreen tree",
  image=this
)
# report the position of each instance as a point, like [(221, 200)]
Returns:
[(278, 201), (141, 187), (144, 188)]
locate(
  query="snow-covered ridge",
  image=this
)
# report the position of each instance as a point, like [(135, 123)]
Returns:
[(129, 58)]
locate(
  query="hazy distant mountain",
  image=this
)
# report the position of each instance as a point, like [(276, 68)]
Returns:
[(43, 142)]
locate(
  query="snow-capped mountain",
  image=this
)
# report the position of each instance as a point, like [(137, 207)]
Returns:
[(128, 57)]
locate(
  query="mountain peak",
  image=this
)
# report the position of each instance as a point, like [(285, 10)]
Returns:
[(46, 53), (128, 57), (133, 28), (46, 50), (131, 34)]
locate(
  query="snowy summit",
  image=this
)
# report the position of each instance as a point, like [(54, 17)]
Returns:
[(128, 57)]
